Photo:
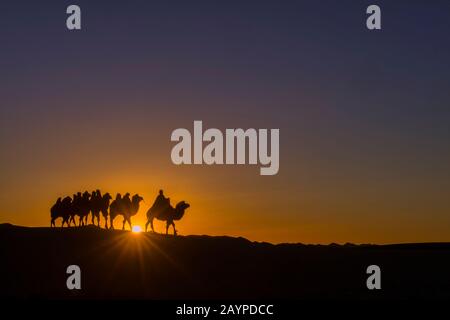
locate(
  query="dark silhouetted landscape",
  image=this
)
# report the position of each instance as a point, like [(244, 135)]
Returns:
[(122, 264)]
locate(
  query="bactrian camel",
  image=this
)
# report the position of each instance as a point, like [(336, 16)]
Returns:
[(168, 214)]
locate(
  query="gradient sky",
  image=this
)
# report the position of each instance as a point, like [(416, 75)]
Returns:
[(364, 117)]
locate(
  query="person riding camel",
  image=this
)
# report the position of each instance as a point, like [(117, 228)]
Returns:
[(161, 202)]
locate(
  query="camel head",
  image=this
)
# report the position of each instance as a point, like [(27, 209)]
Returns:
[(105, 200), (182, 205), (179, 210), (136, 199)]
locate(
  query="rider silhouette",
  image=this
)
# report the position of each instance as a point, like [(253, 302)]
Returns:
[(161, 202)]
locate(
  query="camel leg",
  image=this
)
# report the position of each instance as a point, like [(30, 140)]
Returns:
[(111, 224), (174, 231), (149, 221), (167, 227), (129, 222), (106, 219), (123, 224)]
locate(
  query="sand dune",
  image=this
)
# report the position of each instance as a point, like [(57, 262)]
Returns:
[(121, 264)]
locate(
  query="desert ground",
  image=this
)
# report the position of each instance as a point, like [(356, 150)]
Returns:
[(119, 264)]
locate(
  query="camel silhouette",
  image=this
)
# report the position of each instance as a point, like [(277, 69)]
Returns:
[(55, 212), (76, 204), (124, 207), (81, 206), (61, 209), (169, 214), (99, 204), (85, 208), (95, 202), (104, 205)]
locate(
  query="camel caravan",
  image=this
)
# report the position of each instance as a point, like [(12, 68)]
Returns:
[(82, 204)]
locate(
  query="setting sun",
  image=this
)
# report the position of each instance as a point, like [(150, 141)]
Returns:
[(137, 229)]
